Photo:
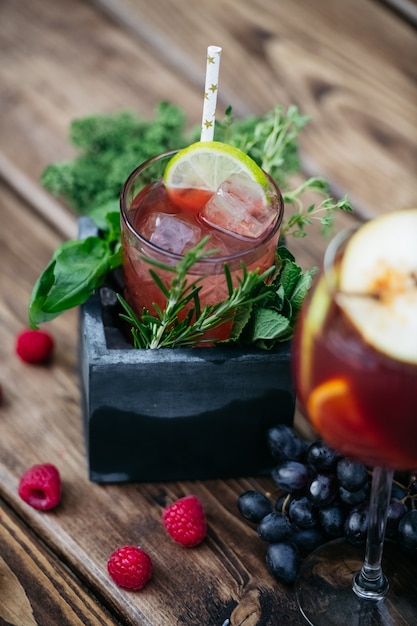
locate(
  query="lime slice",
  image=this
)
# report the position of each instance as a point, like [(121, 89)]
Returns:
[(378, 283), (205, 165), (225, 186)]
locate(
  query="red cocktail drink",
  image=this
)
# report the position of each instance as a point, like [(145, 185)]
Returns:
[(162, 225)]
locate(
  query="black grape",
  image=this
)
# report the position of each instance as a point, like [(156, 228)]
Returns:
[(352, 498), (322, 457), (254, 505), (283, 561), (302, 512), (396, 511), (284, 444), (407, 532), (398, 492), (290, 476), (351, 474), (356, 525), (322, 489), (274, 527), (332, 519), (308, 539)]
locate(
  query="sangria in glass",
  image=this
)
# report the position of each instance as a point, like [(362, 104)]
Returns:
[(355, 364)]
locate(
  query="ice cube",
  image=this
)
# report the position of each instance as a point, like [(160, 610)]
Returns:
[(171, 233), (240, 206)]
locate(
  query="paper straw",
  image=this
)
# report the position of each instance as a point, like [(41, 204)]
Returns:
[(210, 92)]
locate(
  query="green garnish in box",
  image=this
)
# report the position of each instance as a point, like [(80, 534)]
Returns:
[(111, 146)]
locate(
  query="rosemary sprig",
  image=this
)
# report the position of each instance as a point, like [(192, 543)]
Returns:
[(168, 328)]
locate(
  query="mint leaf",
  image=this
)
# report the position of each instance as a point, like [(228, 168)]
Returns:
[(302, 287), (269, 324), (290, 275), (273, 316), (240, 320)]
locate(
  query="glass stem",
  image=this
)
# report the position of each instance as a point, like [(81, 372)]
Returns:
[(370, 582)]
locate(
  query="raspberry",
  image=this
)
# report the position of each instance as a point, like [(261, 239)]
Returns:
[(185, 521), (40, 486), (34, 346), (130, 567)]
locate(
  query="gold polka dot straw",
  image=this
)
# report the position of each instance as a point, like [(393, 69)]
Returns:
[(210, 92)]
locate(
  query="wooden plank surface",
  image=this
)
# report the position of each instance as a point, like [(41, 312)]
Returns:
[(61, 61), (349, 65), (36, 588), (355, 77)]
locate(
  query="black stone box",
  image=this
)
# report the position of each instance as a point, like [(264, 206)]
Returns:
[(176, 414)]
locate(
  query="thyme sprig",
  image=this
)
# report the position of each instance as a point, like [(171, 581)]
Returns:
[(272, 141), (324, 212)]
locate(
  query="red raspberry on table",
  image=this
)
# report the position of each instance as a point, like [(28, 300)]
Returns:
[(34, 346), (40, 486), (185, 521), (130, 567)]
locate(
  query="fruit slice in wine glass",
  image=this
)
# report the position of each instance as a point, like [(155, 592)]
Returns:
[(378, 281)]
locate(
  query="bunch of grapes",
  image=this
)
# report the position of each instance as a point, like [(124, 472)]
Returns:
[(322, 496)]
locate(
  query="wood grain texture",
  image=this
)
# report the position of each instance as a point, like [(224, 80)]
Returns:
[(353, 75), (68, 60), (349, 65), (36, 589)]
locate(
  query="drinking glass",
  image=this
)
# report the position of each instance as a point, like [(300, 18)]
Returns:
[(144, 200), (369, 403)]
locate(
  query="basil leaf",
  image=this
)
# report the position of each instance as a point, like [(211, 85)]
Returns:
[(42, 287), (75, 270)]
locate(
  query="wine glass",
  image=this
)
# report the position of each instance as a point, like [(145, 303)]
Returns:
[(362, 400)]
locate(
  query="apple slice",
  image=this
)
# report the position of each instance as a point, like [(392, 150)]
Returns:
[(378, 283)]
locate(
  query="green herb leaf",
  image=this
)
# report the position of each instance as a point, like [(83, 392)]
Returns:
[(111, 147), (75, 270), (268, 324), (281, 300), (301, 288)]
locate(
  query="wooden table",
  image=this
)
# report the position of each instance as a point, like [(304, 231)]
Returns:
[(351, 67)]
